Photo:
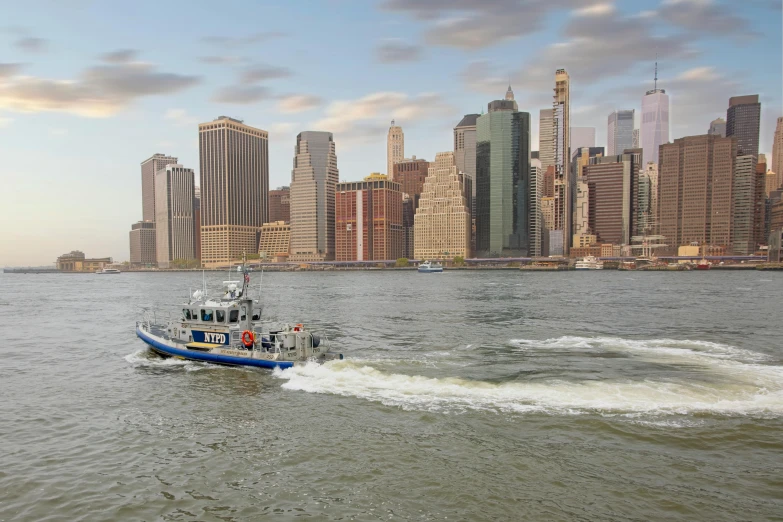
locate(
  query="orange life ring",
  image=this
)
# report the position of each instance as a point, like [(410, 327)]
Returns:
[(298, 327), (248, 339)]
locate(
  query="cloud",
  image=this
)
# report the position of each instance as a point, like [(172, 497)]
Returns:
[(30, 44), (180, 117), (98, 91), (281, 132), (609, 46), (704, 16), (595, 10), (475, 24), (120, 56), (366, 118), (233, 41), (294, 103), (260, 73), (5, 122), (219, 60), (9, 69), (396, 51), (241, 94)]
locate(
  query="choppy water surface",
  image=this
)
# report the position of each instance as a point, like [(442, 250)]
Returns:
[(463, 395)]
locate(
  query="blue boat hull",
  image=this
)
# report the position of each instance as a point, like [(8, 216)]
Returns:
[(193, 355)]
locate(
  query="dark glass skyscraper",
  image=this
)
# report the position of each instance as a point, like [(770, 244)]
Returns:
[(502, 180), (742, 122)]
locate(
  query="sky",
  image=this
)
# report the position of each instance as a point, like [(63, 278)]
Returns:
[(90, 89)]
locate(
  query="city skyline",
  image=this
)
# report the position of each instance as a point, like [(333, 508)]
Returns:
[(129, 99)]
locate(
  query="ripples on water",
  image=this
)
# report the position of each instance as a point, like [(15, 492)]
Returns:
[(472, 396)]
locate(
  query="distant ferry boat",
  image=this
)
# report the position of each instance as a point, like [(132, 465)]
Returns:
[(589, 263), (428, 267), (108, 271)]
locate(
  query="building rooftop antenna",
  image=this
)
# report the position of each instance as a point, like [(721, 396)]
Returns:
[(656, 72)]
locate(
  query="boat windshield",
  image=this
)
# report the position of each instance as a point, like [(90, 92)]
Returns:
[(206, 315)]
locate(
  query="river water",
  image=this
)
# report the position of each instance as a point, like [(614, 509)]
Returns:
[(477, 395)]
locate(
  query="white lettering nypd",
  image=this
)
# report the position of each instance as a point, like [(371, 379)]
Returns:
[(216, 338)]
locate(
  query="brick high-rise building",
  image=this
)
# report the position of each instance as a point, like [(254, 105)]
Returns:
[(174, 197), (612, 185), (313, 182), (442, 221), (368, 220), (695, 183), (410, 173), (280, 205), (234, 174)]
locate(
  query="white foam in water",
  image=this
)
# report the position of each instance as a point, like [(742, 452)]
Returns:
[(738, 386), (142, 358)]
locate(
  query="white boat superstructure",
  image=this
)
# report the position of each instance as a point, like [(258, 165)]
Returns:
[(589, 263), (428, 267), (104, 271)]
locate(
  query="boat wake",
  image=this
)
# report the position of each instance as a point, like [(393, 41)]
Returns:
[(737, 383), (143, 358)]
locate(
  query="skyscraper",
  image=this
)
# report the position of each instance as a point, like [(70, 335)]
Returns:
[(564, 183), (655, 120), (234, 173), (743, 119), (502, 170), (395, 148), (718, 127), (777, 152), (612, 189), (149, 167), (197, 222), (619, 135), (465, 151), (535, 213), (582, 137), (647, 209), (695, 183), (280, 205), (442, 221), (174, 197), (142, 244), (313, 182), (546, 138), (635, 139), (368, 220), (744, 211)]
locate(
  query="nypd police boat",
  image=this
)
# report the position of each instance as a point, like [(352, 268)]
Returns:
[(226, 329)]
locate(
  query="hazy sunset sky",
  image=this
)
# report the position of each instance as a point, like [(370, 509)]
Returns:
[(89, 89)]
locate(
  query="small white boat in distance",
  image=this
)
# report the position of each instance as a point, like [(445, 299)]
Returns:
[(428, 267), (589, 263), (108, 271)]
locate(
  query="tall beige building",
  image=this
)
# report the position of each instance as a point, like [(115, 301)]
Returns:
[(395, 148), (234, 174), (562, 143), (546, 138), (777, 152), (442, 220), (149, 167), (174, 196), (313, 182)]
